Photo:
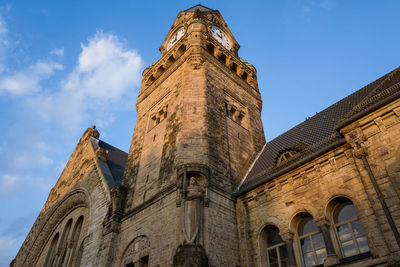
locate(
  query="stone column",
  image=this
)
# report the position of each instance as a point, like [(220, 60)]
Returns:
[(331, 258), (287, 237)]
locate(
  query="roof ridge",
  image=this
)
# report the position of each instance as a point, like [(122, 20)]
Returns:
[(338, 102), (386, 78), (319, 132)]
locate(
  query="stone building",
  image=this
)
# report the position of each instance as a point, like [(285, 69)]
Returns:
[(200, 187)]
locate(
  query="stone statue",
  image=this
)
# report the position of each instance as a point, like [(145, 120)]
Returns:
[(192, 210)]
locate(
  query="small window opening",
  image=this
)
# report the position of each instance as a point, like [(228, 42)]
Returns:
[(232, 113), (234, 67), (150, 80), (244, 76), (170, 60), (160, 70), (210, 48), (154, 138), (222, 58), (240, 118), (144, 262), (181, 50)]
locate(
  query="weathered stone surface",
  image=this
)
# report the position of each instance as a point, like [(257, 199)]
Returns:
[(190, 255), (199, 116)]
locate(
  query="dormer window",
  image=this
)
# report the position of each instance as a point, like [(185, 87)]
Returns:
[(286, 155)]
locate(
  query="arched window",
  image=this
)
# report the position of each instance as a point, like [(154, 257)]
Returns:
[(62, 248), (273, 248), (52, 250), (311, 242), (349, 230), (74, 241)]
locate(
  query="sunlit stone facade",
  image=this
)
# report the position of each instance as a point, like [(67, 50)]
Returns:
[(200, 187)]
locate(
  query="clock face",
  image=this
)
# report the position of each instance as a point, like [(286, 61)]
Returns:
[(175, 37), (221, 37)]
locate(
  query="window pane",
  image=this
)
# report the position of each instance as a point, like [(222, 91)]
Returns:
[(349, 249), (273, 237), (357, 228), (309, 259), (345, 212), (344, 232), (321, 255), (282, 252), (362, 244), (318, 241), (307, 226), (306, 244), (273, 257), (283, 256)]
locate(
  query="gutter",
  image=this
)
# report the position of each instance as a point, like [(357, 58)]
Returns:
[(367, 111), (314, 155)]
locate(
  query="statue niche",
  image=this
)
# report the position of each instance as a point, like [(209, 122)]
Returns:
[(191, 199), (192, 208)]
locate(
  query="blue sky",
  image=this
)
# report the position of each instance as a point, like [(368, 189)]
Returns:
[(66, 65)]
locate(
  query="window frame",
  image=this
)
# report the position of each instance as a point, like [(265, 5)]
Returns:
[(276, 248), (348, 222), (304, 236)]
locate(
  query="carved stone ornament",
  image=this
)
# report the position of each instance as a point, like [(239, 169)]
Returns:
[(356, 139), (192, 255), (196, 61), (192, 209), (138, 248), (101, 154), (193, 180), (94, 133)]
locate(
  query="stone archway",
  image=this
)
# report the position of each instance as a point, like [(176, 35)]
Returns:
[(45, 224)]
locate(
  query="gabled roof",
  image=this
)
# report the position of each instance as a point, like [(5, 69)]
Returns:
[(320, 132), (113, 169), (200, 8)]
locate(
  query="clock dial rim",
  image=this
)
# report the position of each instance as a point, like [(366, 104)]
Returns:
[(224, 40), (171, 43)]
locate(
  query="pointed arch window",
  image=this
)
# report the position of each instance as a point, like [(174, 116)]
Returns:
[(311, 242), (349, 230)]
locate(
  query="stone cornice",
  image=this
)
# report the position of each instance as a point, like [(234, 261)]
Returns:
[(253, 92)]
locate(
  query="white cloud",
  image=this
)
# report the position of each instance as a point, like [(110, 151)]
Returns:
[(105, 78), (106, 71), (28, 81), (59, 52), (9, 182)]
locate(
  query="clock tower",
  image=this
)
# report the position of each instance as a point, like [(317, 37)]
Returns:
[(198, 128)]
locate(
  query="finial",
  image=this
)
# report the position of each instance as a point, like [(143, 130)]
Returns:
[(94, 132)]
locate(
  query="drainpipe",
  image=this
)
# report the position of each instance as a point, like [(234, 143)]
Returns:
[(381, 199)]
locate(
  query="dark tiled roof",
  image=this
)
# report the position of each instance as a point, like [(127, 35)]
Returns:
[(318, 132), (116, 162), (200, 8)]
